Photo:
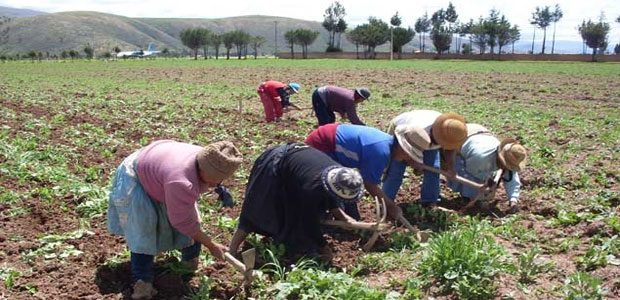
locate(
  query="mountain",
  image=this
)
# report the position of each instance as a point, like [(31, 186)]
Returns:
[(18, 13), (55, 32)]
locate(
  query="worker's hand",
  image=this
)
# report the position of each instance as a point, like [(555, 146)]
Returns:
[(217, 250), (393, 210), (325, 254), (224, 196), (418, 166)]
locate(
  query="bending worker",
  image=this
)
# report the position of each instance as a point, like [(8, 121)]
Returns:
[(275, 97), (329, 99), (290, 188), (438, 131), (482, 155), (153, 203)]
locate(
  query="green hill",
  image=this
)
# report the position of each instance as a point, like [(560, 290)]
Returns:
[(73, 30)]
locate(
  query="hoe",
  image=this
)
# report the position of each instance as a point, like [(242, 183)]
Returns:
[(246, 267), (485, 191), (377, 227)]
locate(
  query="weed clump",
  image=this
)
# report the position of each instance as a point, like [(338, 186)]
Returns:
[(464, 261)]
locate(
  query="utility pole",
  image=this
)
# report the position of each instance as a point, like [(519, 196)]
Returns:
[(275, 52)]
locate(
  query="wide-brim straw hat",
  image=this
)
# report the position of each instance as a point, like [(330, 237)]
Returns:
[(450, 131), (219, 160), (413, 140), (512, 155), (343, 184)]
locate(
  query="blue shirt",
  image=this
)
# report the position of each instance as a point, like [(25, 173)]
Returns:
[(365, 148), (479, 160)]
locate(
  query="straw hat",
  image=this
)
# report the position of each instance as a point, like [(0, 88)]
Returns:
[(343, 184), (512, 155), (473, 128), (449, 131), (220, 160), (413, 140)]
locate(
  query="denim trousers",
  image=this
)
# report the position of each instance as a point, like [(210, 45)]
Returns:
[(430, 181), (142, 264), (321, 110)]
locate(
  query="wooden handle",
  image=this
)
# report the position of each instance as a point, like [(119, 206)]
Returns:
[(356, 225), (457, 178), (402, 219), (235, 262)]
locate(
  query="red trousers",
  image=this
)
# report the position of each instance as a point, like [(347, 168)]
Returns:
[(273, 107)]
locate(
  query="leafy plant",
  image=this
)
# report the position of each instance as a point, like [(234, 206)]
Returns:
[(465, 261), (527, 267), (204, 289), (592, 259), (583, 286), (9, 275)]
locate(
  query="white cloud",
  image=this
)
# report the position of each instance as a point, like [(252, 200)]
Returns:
[(518, 12)]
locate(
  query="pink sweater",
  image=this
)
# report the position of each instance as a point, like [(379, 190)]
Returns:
[(168, 173)]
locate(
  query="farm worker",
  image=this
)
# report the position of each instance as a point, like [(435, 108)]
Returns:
[(445, 131), (368, 149), (275, 96), (482, 155), (329, 99), (153, 203), (290, 188)]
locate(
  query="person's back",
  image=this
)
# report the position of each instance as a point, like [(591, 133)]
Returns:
[(365, 148), (166, 162)]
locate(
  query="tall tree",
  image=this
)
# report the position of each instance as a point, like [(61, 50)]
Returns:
[(305, 37), (291, 39), (340, 28), (257, 41), (466, 30), (354, 36), (555, 18), (395, 21), (595, 35), (374, 33), (542, 18), (216, 41), (402, 36), (491, 27), (505, 33), (422, 26), (240, 39), (515, 35), (193, 38), (451, 18), (228, 39), (478, 35), (206, 41), (440, 34), (331, 19), (89, 52)]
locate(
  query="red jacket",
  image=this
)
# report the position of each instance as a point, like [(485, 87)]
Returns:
[(272, 86)]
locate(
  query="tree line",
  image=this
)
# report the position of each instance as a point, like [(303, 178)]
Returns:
[(445, 31)]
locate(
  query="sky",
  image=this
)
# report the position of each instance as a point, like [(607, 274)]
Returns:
[(517, 11)]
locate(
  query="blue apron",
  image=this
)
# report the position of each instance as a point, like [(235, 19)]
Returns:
[(142, 221)]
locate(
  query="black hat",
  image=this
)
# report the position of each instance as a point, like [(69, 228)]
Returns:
[(363, 92)]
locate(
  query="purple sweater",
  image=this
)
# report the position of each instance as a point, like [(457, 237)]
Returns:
[(340, 100), (168, 173)]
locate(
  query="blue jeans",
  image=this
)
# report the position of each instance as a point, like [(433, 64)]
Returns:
[(430, 182), (142, 264), (323, 114)]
